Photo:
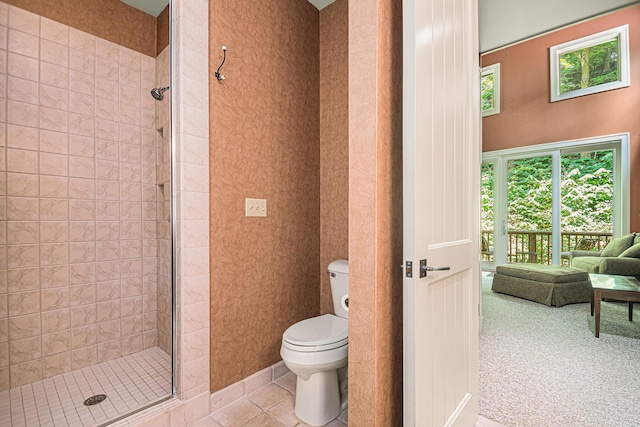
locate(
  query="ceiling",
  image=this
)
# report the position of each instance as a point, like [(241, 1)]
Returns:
[(502, 22), (152, 7), (321, 4)]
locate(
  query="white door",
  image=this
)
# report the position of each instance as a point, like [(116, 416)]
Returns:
[(441, 211)]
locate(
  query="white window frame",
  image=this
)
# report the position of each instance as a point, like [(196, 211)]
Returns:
[(495, 70), (621, 33), (619, 143)]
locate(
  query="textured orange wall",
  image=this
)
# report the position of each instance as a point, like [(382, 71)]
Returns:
[(264, 143), (162, 30), (527, 117), (108, 19), (389, 217), (375, 213), (334, 142)]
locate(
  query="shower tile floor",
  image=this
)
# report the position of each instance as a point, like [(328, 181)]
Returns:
[(130, 382)]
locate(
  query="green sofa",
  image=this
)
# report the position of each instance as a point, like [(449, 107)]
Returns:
[(620, 257)]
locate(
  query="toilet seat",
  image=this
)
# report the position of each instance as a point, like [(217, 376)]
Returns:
[(314, 349), (320, 333)]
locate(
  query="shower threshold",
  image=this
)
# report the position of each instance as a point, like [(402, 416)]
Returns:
[(130, 382)]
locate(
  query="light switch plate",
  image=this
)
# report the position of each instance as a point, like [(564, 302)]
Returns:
[(255, 207)]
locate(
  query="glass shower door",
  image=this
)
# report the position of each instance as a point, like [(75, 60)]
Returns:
[(85, 245)]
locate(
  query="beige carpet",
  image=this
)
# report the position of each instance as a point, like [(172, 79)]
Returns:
[(542, 366)]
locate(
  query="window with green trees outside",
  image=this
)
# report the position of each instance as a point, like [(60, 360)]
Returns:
[(586, 203), (490, 90), (592, 64)]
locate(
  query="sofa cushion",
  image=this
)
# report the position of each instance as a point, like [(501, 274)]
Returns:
[(632, 252), (543, 273), (590, 264), (636, 241), (618, 245)]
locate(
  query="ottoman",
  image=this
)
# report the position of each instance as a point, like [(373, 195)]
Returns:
[(546, 284)]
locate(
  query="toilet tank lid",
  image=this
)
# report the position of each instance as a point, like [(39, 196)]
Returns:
[(339, 266)]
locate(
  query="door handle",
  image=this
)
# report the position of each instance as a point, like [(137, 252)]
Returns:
[(424, 268), (427, 268)]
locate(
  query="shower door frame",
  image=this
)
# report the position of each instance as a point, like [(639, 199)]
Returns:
[(174, 190)]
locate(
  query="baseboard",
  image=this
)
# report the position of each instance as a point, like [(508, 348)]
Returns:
[(240, 389)]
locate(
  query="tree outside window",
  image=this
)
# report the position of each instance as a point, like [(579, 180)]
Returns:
[(592, 64)]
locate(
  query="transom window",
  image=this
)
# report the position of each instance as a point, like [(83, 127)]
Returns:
[(592, 64)]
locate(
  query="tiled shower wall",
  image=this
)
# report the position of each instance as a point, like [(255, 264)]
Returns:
[(78, 260)]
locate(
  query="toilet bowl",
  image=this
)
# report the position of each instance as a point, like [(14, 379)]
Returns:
[(316, 351)]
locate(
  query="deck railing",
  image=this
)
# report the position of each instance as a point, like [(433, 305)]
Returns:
[(535, 246)]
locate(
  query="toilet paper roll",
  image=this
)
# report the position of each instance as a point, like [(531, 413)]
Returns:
[(345, 302)]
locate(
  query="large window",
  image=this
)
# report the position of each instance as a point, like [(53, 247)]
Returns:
[(541, 201), (592, 64)]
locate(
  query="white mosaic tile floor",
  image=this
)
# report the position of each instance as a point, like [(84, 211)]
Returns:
[(130, 382)]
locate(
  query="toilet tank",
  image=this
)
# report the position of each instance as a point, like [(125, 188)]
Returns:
[(339, 277)]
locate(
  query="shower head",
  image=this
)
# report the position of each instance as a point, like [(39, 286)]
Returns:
[(158, 92)]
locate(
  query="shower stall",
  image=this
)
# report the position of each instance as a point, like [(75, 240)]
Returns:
[(86, 288)]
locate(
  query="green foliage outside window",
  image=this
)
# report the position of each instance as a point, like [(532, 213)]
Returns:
[(588, 67), (529, 194), (586, 193), (486, 196), (487, 91)]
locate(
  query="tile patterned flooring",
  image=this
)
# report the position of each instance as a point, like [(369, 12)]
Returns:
[(130, 382), (137, 380), (269, 406)]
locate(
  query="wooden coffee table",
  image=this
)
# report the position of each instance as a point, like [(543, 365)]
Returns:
[(622, 288)]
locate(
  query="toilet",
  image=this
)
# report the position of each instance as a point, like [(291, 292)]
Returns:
[(316, 351)]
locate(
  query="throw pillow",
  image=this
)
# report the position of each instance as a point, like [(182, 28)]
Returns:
[(585, 244), (632, 252), (617, 246)]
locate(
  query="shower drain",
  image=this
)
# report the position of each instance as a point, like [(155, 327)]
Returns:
[(94, 400)]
